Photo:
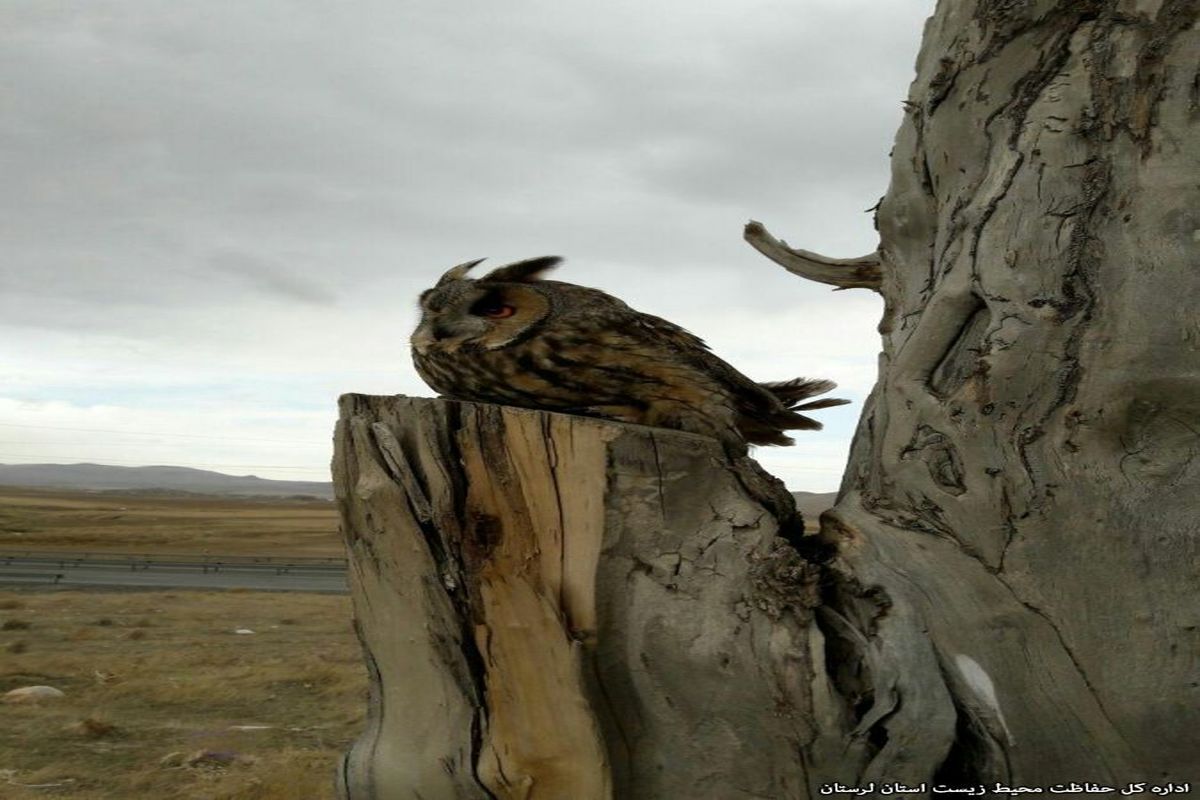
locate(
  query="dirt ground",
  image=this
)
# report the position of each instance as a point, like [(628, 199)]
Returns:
[(155, 679), (161, 523)]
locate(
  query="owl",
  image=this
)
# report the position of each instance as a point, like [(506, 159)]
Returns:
[(513, 338)]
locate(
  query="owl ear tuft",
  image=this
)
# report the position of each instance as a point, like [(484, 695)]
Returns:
[(523, 271), (459, 272)]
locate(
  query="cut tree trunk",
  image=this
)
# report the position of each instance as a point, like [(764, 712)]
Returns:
[(1005, 591), (560, 607)]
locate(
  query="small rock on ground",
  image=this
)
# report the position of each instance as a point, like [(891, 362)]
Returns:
[(33, 694)]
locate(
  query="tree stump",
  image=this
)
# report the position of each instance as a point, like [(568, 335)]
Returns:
[(560, 607)]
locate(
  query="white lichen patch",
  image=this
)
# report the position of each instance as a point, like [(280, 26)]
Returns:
[(981, 684)]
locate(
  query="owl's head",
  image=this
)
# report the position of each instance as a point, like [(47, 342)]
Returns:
[(489, 312)]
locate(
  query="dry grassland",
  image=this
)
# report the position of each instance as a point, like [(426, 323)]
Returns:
[(148, 523), (148, 674), (151, 674)]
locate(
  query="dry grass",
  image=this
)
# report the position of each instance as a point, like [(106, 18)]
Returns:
[(145, 523), (148, 674)]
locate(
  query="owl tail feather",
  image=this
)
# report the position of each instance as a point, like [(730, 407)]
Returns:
[(793, 391), (769, 428)]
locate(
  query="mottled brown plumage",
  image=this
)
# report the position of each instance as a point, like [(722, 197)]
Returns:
[(515, 339)]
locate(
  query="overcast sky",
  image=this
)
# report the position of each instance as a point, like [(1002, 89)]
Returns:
[(216, 216)]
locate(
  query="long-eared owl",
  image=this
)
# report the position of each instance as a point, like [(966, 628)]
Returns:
[(515, 339)]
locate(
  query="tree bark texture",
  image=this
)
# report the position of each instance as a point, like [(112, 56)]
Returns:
[(1022, 500), (560, 607)]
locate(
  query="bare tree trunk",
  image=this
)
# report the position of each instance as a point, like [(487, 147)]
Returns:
[(559, 607), (1024, 485)]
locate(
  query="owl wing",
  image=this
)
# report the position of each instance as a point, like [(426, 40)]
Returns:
[(764, 411), (695, 352)]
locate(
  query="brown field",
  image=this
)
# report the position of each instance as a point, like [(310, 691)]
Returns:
[(149, 523), (148, 674)]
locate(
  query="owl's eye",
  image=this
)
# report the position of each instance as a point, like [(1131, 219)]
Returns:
[(493, 309)]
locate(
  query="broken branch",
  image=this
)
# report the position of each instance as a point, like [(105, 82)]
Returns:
[(845, 273)]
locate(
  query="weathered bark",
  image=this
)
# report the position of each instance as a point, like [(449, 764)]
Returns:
[(1023, 491), (1005, 590)]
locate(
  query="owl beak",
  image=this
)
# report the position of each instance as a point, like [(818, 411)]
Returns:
[(426, 335), (421, 339)]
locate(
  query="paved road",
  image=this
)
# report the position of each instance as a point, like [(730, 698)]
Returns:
[(133, 571)]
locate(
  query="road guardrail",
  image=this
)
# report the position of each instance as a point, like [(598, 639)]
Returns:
[(205, 562)]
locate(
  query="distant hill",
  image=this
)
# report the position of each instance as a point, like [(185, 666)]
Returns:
[(811, 504), (99, 477)]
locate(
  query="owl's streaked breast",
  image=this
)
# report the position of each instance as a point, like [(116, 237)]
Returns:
[(526, 375)]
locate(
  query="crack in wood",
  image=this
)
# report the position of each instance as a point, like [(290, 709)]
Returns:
[(1069, 653)]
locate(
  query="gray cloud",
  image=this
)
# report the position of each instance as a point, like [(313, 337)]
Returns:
[(269, 278), (178, 175)]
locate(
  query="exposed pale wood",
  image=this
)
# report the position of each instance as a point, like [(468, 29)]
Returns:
[(534, 582), (845, 273)]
